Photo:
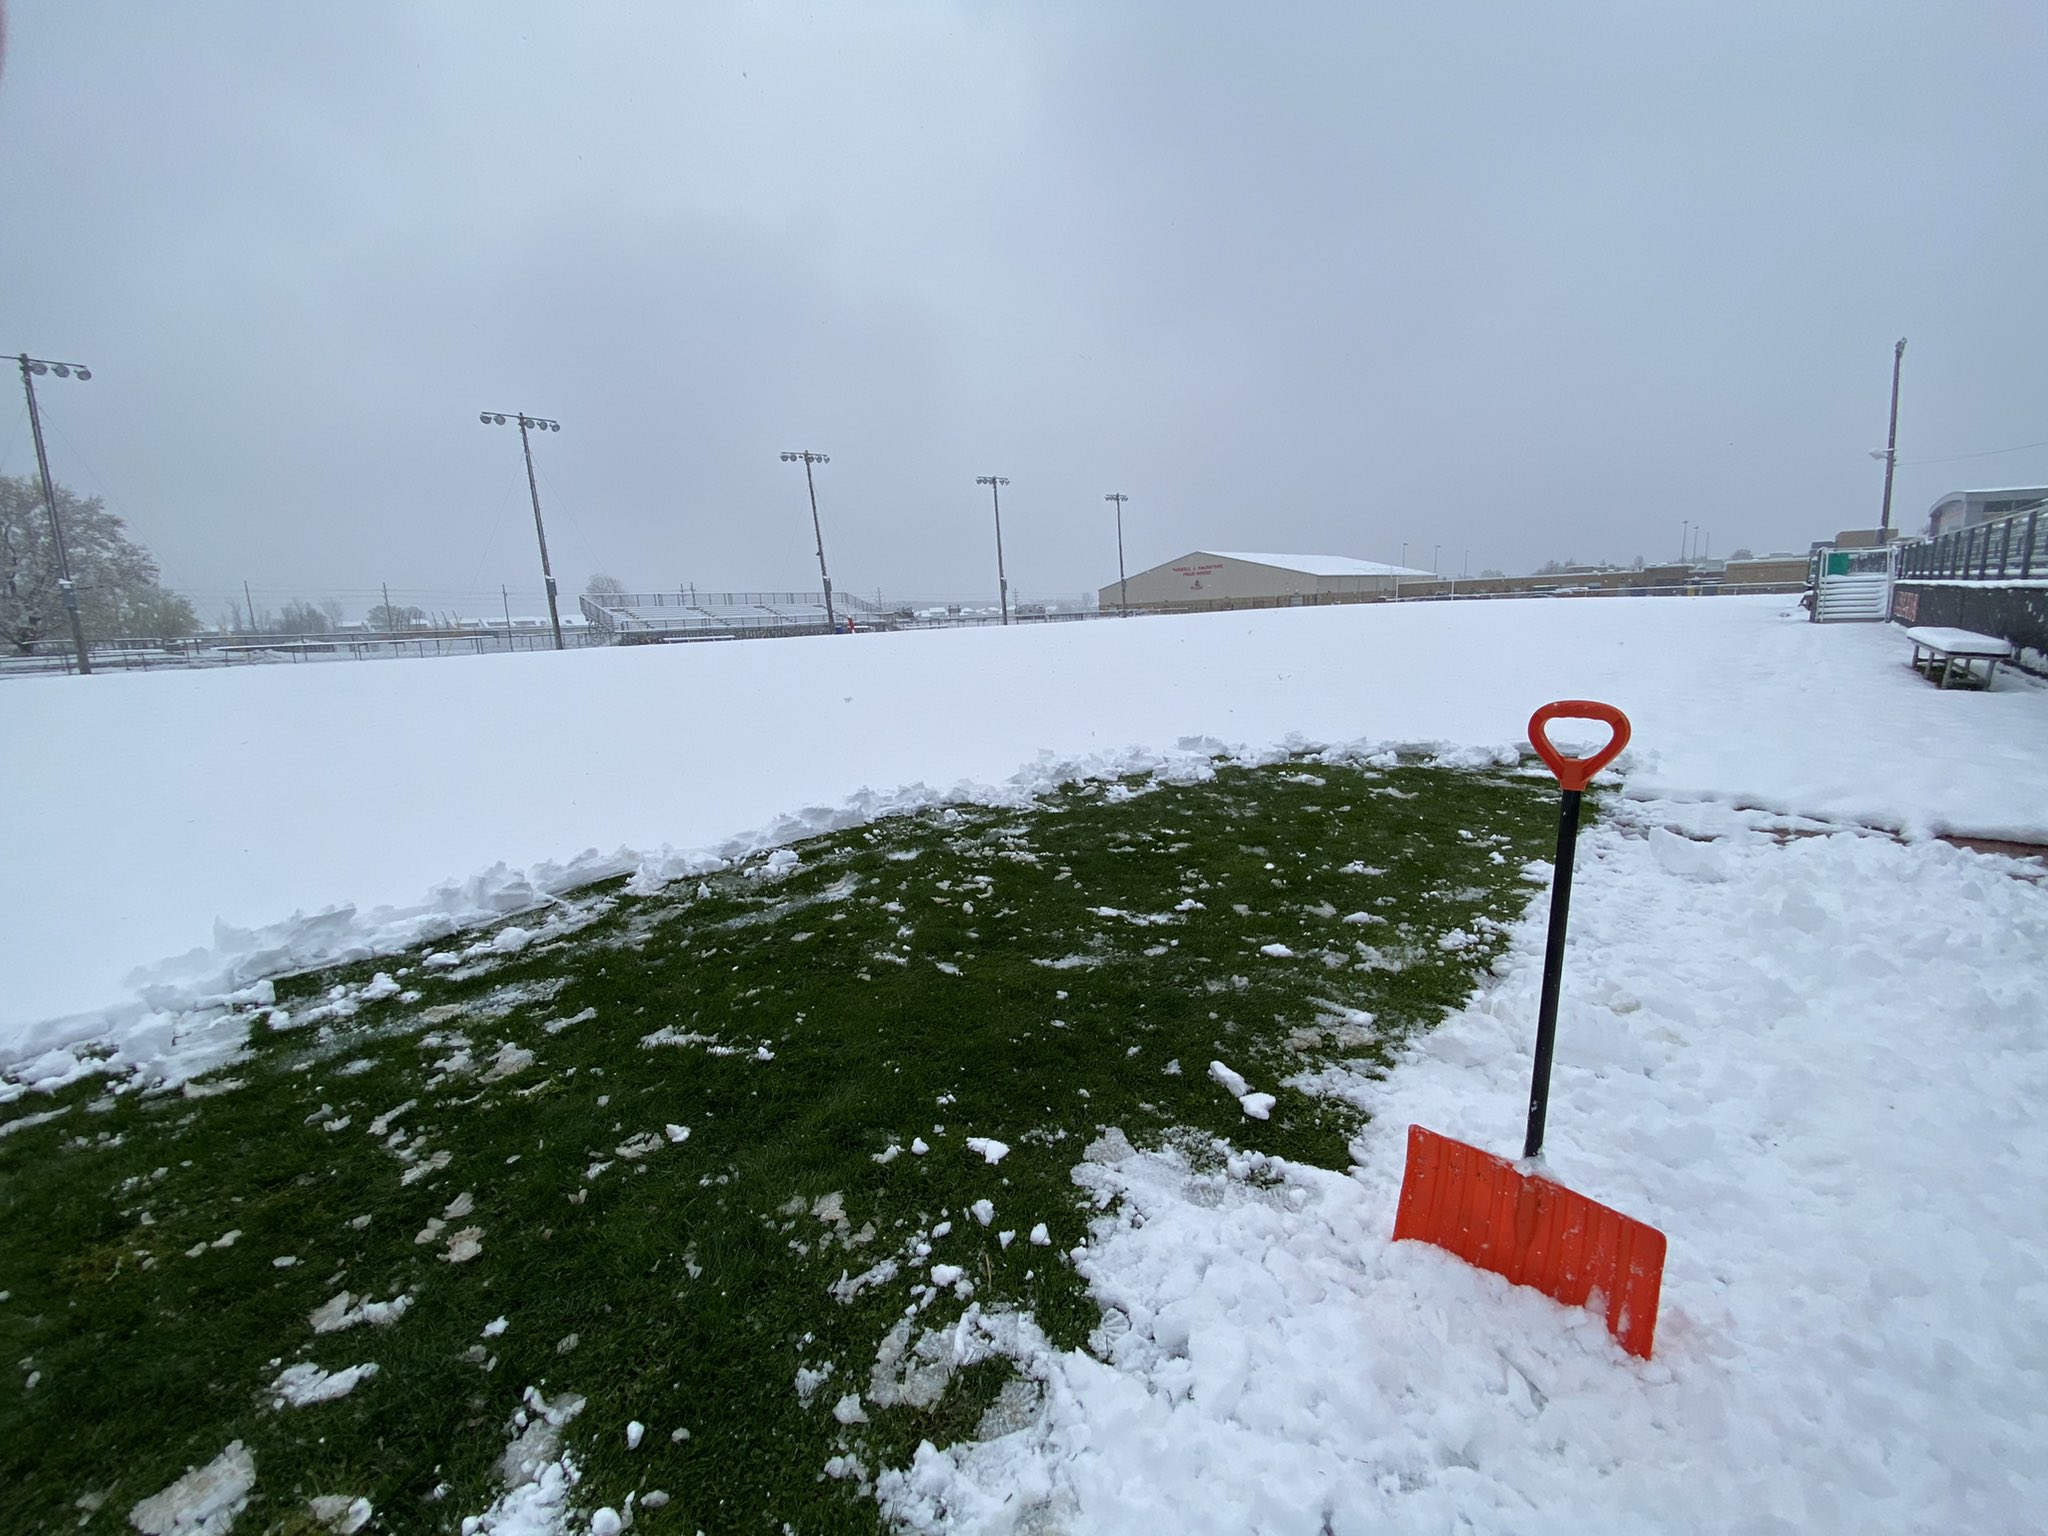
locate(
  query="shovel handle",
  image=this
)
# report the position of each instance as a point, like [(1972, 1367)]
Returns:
[(1575, 773)]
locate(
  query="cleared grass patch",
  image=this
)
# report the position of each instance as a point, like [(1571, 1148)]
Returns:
[(497, 1131)]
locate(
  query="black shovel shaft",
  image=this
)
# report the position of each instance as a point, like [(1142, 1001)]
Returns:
[(1553, 970)]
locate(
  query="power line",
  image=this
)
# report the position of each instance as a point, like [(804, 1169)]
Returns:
[(1988, 453)]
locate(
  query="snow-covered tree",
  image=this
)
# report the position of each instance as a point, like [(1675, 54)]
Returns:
[(117, 580)]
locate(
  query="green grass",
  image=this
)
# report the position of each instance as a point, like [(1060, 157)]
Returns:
[(695, 1279)]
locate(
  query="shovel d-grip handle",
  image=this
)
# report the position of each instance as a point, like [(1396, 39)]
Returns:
[(1574, 774)]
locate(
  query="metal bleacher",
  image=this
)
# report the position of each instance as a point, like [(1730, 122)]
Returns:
[(642, 618)]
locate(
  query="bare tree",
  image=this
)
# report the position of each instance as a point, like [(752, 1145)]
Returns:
[(388, 618), (301, 618), (602, 585)]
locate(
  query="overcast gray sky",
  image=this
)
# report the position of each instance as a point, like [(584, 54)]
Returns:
[(1521, 280)]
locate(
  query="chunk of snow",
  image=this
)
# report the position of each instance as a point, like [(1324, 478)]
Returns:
[(204, 1502), (992, 1150), (1040, 1238), (301, 1385), (341, 1514), (343, 1310), (984, 1211), (1236, 1086)]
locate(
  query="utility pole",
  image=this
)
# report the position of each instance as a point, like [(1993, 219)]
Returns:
[(809, 458), (993, 482), (67, 589), (538, 424), (1891, 441), (1123, 586), (506, 598), (390, 618), (252, 607)]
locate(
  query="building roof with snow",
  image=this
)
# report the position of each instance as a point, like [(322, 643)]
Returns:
[(1319, 565)]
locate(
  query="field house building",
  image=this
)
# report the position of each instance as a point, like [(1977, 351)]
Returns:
[(1207, 577)]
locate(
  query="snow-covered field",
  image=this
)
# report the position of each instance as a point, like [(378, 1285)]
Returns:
[(1811, 1052), (171, 836)]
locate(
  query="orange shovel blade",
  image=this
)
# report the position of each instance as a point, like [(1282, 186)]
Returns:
[(1534, 1232)]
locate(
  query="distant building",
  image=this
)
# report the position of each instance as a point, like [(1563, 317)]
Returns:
[(1966, 509), (1216, 576)]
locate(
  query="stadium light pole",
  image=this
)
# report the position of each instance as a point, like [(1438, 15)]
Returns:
[(67, 589), (537, 424), (809, 458), (1123, 586), (1891, 441), (993, 482)]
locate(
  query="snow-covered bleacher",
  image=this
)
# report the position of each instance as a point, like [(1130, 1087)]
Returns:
[(637, 618)]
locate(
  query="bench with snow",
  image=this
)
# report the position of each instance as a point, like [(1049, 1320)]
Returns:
[(1949, 656)]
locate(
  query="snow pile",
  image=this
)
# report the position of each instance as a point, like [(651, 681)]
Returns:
[(1735, 698), (1816, 1063), (538, 1474)]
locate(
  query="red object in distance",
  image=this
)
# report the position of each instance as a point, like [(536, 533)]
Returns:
[(1575, 773)]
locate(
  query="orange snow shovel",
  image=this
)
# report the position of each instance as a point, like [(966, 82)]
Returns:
[(1507, 1218)]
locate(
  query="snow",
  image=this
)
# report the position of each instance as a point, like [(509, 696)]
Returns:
[(1806, 1048), (1814, 1062), (1960, 642), (136, 898), (204, 1502), (340, 1514), (345, 1310), (1319, 565), (991, 1150), (305, 1383)]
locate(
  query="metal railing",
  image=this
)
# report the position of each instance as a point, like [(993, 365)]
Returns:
[(132, 655), (2012, 548)]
